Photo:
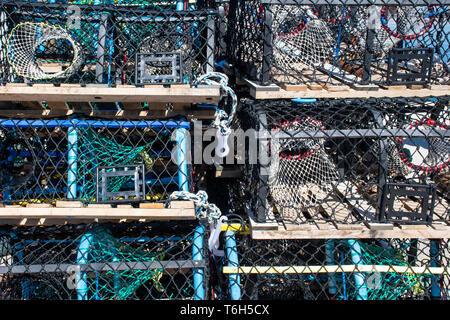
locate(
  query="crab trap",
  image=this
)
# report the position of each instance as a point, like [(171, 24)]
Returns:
[(138, 261), (106, 42), (326, 42), (93, 161), (377, 269), (348, 161)]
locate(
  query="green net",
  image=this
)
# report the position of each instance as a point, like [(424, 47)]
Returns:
[(96, 150), (388, 286), (120, 285)]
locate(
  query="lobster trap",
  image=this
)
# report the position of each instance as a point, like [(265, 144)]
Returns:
[(376, 269), (137, 261), (73, 159), (348, 161), (322, 43), (102, 42)]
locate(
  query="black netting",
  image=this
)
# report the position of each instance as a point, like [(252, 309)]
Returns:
[(346, 269), (87, 160), (349, 160), (340, 42), (106, 42), (104, 262)]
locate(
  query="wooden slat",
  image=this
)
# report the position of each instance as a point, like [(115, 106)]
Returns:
[(182, 205), (101, 94), (350, 93), (151, 205), (58, 105), (360, 232), (93, 213), (69, 204), (349, 193)]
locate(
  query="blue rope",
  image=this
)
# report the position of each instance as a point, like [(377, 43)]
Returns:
[(336, 57)]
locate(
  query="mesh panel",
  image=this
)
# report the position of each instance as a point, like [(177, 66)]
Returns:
[(381, 269), (350, 42), (48, 160), (103, 262), (332, 160), (97, 41)]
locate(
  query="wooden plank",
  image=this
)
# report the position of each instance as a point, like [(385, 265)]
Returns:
[(101, 94), (38, 205), (425, 232), (349, 193), (99, 205), (380, 226), (69, 204), (151, 205), (182, 205), (257, 87), (351, 93), (347, 79), (294, 87), (93, 213), (330, 206), (58, 105)]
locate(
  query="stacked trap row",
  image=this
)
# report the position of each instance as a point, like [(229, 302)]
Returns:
[(348, 160), (106, 42), (376, 269), (93, 161), (104, 262), (334, 42)]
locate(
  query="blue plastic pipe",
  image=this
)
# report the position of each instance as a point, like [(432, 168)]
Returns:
[(72, 163), (233, 261), (304, 100), (13, 123), (82, 258), (197, 255), (360, 281), (181, 138)]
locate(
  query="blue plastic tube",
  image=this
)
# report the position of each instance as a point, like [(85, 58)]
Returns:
[(197, 255), (82, 258), (233, 261), (360, 281), (72, 159), (13, 123), (181, 138)]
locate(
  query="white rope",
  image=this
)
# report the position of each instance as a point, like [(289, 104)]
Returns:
[(26, 38)]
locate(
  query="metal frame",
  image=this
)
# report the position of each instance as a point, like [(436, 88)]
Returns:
[(138, 171), (396, 55), (174, 58), (426, 192)]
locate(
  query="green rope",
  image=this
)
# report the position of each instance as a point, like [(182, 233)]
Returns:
[(392, 285), (120, 285), (95, 150)]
